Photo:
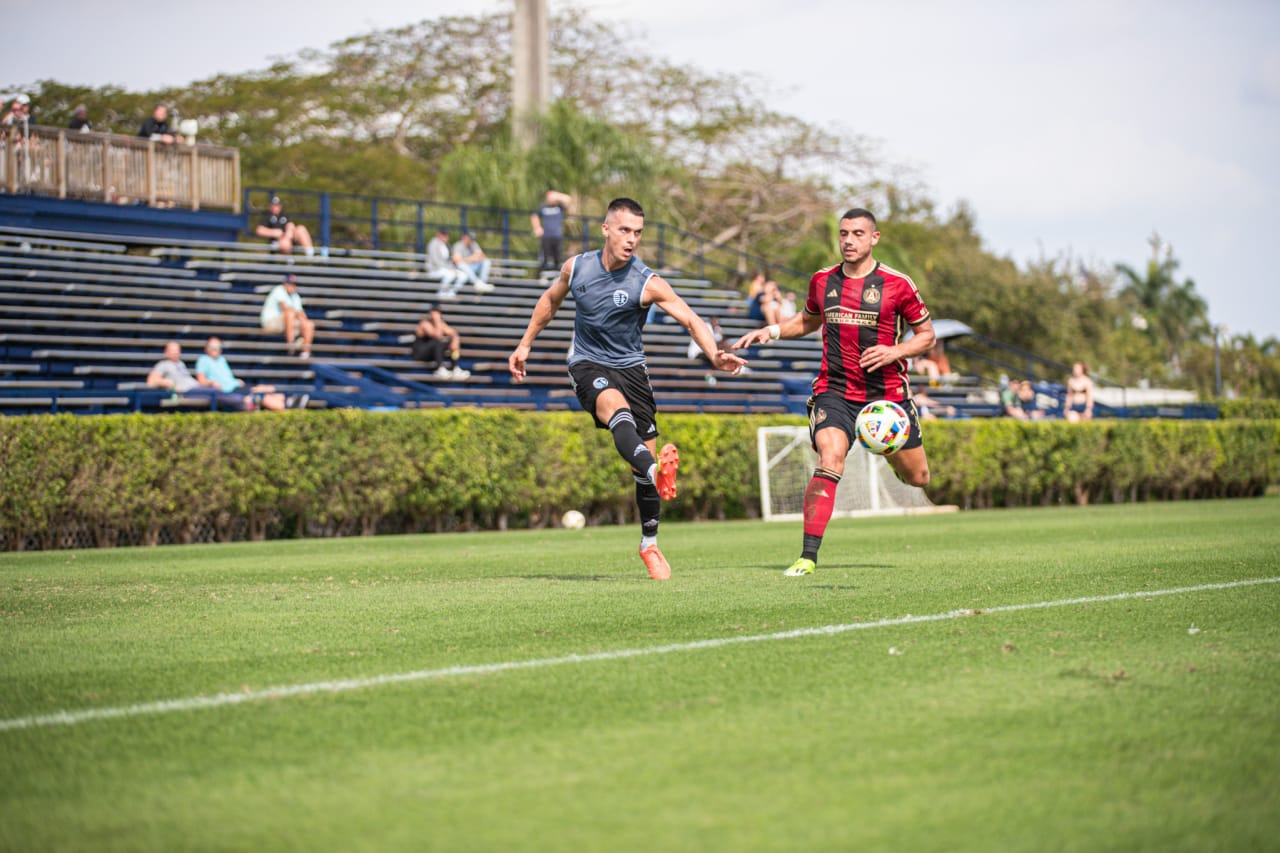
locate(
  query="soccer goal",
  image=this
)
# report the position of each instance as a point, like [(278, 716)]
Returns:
[(868, 486)]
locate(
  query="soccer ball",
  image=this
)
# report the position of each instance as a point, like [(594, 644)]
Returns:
[(573, 520), (883, 427)]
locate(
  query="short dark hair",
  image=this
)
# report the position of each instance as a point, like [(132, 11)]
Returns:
[(859, 213), (630, 205)]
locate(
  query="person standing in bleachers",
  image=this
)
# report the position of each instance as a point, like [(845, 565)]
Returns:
[(283, 233), (436, 342), (548, 226), (19, 116), (472, 263), (282, 312), (157, 129), (80, 119)]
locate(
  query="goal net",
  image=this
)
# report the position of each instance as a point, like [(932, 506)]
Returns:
[(868, 486)]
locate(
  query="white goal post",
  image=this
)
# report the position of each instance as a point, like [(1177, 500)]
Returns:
[(868, 486)]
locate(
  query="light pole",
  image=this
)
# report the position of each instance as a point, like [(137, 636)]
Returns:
[(1218, 331), (530, 77)]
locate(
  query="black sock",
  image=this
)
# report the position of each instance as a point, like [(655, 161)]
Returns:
[(811, 545), (649, 504), (627, 439)]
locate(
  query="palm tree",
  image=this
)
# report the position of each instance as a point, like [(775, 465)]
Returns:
[(1173, 310)]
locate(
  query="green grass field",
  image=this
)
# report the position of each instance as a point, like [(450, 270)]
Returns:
[(1149, 722)]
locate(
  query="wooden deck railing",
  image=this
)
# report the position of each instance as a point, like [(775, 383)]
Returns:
[(121, 169)]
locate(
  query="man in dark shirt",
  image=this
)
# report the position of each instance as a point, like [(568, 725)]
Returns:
[(282, 233), (80, 119), (157, 127), (548, 225)]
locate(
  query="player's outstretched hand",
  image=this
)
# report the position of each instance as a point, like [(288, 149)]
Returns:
[(730, 363), (750, 339)]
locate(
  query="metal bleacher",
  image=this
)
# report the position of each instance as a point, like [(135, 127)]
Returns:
[(83, 318)]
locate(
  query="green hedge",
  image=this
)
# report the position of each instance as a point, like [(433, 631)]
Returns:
[(1250, 409), (129, 478)]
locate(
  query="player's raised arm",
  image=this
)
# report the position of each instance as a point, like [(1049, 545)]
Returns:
[(665, 297), (543, 313)]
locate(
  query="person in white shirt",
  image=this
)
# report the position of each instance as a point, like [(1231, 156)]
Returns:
[(282, 312), (440, 265), (472, 263)]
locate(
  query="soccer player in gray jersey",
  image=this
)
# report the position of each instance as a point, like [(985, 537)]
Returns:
[(612, 290)]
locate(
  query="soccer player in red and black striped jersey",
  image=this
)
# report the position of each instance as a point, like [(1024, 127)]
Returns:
[(863, 309)]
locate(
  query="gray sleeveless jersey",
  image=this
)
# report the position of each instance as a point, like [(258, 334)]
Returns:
[(609, 320)]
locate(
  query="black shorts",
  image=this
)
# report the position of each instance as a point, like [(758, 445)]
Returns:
[(429, 350), (832, 410), (590, 379)]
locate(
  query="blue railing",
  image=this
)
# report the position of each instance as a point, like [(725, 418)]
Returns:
[(381, 223)]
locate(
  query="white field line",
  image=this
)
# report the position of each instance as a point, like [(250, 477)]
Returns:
[(193, 703)]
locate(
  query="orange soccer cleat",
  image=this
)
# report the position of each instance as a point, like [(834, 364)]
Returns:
[(668, 463), (655, 563)]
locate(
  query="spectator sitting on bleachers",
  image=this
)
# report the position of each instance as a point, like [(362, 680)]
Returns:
[(1078, 403), (170, 374), (695, 352), (1027, 400), (282, 312), (156, 127), (440, 265), (282, 233), (763, 300), (787, 307), (928, 409), (436, 342), (1010, 403), (472, 263), (934, 364), (213, 371)]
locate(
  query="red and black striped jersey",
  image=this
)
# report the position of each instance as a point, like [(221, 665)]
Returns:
[(858, 313)]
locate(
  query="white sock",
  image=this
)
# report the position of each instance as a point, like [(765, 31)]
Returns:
[(653, 473), (648, 542)]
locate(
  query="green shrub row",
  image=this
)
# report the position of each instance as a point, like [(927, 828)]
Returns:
[(985, 463), (1249, 409), (127, 478)]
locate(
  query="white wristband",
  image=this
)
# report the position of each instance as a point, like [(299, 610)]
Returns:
[(775, 331)]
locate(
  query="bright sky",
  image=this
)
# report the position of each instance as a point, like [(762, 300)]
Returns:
[(1070, 126)]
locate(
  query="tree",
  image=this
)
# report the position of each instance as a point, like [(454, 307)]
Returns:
[(423, 112), (1175, 314)]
